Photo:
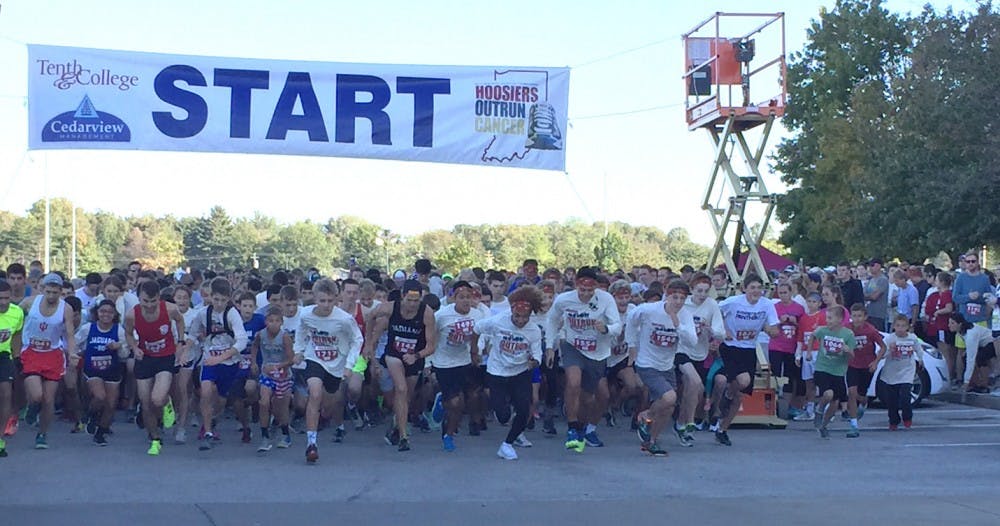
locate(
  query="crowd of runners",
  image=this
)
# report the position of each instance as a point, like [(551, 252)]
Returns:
[(583, 349)]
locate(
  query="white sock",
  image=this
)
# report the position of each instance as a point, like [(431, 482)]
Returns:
[(590, 429), (811, 407), (854, 422), (311, 437)]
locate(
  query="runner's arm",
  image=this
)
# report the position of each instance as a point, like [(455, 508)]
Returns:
[(430, 334)]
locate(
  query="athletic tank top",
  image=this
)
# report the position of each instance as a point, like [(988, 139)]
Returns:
[(155, 337), (45, 333), (272, 350), (406, 335), (96, 354)]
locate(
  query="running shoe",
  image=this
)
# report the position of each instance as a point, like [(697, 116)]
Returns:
[(507, 452), (338, 434), (247, 435), (169, 417), (907, 423), (78, 427), (893, 427), (824, 433), (312, 454), (685, 438), (265, 446), (574, 442), (448, 443), (804, 416), (522, 441), (723, 438), (40, 442), (691, 428), (154, 448), (404, 444), (609, 419), (794, 412), (100, 438), (91, 424), (818, 418), (392, 437), (853, 432), (593, 440), (714, 425), (206, 442), (643, 431), (11, 428), (653, 448), (285, 442), (180, 435), (548, 426), (437, 413)]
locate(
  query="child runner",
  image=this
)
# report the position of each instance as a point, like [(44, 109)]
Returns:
[(859, 372), (836, 348), (103, 349), (274, 346), (902, 354)]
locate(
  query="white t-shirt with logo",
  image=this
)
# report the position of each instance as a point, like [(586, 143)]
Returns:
[(901, 357), (745, 321), (455, 334), (510, 347), (650, 330)]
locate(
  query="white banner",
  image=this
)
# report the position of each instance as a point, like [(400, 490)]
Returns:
[(121, 100)]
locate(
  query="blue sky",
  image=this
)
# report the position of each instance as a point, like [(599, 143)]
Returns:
[(653, 168)]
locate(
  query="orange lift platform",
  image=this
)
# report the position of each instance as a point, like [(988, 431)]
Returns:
[(735, 83)]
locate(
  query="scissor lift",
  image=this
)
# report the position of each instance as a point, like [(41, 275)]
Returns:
[(723, 75), (730, 91)]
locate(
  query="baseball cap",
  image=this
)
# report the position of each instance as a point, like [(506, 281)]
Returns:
[(51, 279), (874, 261), (814, 276)]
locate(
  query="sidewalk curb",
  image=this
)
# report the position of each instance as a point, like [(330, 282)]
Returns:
[(985, 401)]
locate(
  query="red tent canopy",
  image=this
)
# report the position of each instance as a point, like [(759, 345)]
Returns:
[(771, 260)]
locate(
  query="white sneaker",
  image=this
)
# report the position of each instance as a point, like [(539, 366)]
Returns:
[(285, 442), (804, 416), (507, 452), (265, 445), (180, 436), (522, 441)]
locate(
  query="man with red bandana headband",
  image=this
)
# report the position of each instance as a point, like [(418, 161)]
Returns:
[(587, 319), (515, 350), (620, 377)]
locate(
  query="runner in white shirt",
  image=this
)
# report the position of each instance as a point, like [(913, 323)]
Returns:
[(654, 333), (690, 359), (516, 349), (745, 317), (621, 377), (328, 341), (456, 354), (584, 314)]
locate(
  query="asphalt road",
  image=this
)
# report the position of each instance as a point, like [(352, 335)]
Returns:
[(944, 469)]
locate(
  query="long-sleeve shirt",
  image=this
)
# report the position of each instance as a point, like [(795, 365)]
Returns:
[(217, 341), (576, 319), (332, 341), (652, 332), (511, 347), (708, 325)]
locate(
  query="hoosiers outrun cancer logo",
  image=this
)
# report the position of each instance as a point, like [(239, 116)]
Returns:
[(86, 124)]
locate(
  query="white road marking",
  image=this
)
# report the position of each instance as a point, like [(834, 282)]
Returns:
[(967, 444)]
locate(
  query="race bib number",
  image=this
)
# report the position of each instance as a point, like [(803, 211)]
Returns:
[(746, 335), (155, 347), (663, 337), (904, 350), (4, 335), (697, 326), (861, 341), (100, 363), (974, 309), (461, 332), (327, 354), (833, 345), (585, 344), (405, 345), (217, 351), (807, 338), (788, 331), (39, 344)]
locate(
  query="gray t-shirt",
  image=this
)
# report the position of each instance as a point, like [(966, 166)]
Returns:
[(880, 307)]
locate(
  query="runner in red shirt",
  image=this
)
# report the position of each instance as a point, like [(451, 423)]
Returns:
[(859, 375), (156, 354)]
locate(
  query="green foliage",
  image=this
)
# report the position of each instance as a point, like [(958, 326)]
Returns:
[(894, 147), (218, 241)]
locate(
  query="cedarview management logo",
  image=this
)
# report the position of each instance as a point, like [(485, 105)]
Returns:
[(86, 124)]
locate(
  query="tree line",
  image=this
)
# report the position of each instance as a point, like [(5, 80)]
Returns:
[(216, 240)]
